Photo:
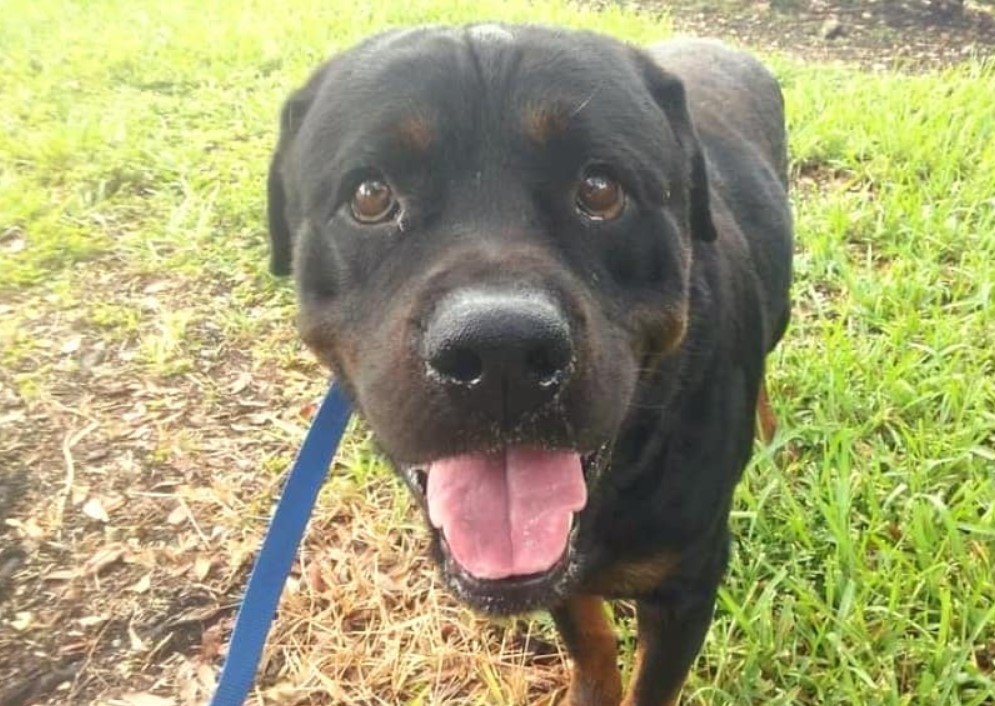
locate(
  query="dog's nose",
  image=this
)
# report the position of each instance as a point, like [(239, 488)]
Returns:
[(510, 350)]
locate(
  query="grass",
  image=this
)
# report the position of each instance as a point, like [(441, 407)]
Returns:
[(132, 154)]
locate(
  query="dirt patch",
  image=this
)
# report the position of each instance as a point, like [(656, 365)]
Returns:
[(122, 497), (876, 34)]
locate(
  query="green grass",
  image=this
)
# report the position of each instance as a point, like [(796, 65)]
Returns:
[(133, 147)]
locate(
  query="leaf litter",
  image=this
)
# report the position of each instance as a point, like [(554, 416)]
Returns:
[(138, 499)]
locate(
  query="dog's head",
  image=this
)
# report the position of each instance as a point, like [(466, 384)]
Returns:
[(491, 229)]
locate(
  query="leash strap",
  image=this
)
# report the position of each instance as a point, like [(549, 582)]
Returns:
[(280, 547)]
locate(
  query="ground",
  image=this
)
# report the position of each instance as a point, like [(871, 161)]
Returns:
[(875, 34), (152, 389)]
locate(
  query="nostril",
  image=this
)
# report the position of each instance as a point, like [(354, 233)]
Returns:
[(547, 366), (460, 365), (513, 349)]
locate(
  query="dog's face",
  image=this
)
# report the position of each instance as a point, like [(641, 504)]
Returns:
[(491, 231)]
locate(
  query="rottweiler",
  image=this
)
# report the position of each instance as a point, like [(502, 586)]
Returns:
[(548, 267)]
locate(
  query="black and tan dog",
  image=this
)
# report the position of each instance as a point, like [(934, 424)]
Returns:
[(548, 266)]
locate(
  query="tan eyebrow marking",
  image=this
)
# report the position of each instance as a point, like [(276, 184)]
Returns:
[(416, 132), (545, 121)]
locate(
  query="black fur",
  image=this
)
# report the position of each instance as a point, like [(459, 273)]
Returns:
[(672, 306)]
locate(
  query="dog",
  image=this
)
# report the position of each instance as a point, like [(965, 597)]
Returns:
[(548, 266)]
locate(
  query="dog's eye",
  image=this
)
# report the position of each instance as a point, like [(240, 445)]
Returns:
[(373, 202), (599, 196)]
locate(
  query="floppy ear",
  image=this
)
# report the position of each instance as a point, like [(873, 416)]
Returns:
[(280, 248), (280, 227), (669, 94)]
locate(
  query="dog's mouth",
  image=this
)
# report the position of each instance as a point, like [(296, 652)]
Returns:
[(506, 520)]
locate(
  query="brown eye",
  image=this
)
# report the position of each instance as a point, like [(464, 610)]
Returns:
[(373, 202), (600, 197)]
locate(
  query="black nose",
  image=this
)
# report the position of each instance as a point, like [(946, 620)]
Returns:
[(511, 351)]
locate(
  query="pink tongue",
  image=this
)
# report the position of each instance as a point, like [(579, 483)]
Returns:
[(506, 514)]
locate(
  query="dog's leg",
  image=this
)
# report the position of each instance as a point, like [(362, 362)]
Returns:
[(669, 641), (590, 640), (765, 415)]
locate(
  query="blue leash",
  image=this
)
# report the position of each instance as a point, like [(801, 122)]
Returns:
[(279, 548)]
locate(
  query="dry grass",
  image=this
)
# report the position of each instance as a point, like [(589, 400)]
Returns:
[(145, 505), (365, 621)]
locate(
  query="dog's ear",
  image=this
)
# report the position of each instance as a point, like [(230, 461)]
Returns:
[(280, 246), (669, 94), (280, 227)]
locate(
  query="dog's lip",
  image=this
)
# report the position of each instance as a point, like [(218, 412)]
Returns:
[(417, 479)]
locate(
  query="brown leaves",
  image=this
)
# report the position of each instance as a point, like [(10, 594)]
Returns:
[(142, 585), (150, 495), (178, 516), (367, 623), (142, 699), (202, 566), (103, 559), (22, 620), (98, 509), (195, 682)]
